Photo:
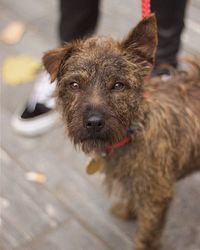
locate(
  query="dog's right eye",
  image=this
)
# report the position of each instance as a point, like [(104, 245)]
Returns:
[(118, 86), (74, 86)]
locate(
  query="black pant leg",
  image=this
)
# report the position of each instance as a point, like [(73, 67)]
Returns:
[(78, 18), (170, 19)]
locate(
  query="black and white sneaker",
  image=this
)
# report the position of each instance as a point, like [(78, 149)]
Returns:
[(39, 115)]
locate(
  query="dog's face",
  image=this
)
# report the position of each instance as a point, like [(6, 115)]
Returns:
[(99, 84)]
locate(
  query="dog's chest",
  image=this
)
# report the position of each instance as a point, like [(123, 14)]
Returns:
[(123, 163)]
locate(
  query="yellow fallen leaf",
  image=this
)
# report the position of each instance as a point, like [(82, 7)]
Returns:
[(12, 33), (36, 177), (20, 69)]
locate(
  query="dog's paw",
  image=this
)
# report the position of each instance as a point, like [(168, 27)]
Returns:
[(122, 211), (143, 244)]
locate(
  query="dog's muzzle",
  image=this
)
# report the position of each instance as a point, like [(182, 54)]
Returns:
[(94, 123)]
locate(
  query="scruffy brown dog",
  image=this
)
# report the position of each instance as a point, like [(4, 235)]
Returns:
[(145, 133)]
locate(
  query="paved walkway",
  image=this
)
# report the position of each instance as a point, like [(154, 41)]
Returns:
[(71, 210)]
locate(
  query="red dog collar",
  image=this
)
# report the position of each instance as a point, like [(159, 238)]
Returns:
[(124, 141)]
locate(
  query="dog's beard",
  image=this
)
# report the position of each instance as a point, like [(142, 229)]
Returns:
[(96, 143), (93, 145)]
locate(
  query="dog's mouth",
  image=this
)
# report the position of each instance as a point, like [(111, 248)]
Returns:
[(92, 137), (93, 145), (97, 142), (93, 141), (96, 139)]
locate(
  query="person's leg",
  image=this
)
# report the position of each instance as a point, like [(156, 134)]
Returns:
[(78, 18), (170, 19)]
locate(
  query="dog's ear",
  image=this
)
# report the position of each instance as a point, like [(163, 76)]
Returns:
[(52, 59), (141, 43)]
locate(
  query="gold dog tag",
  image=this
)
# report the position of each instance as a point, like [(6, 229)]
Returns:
[(94, 165)]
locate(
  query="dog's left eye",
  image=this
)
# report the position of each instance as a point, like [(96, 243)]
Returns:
[(118, 86), (74, 86)]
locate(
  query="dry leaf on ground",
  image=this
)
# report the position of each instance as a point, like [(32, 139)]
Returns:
[(13, 32), (36, 177), (20, 69)]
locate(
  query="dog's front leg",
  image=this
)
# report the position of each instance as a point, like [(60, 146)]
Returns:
[(122, 200), (151, 212), (123, 210)]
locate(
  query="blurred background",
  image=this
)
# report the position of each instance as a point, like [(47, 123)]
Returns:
[(47, 200)]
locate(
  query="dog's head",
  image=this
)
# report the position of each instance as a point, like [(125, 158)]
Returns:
[(99, 83)]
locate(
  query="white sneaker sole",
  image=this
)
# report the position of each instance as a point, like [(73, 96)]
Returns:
[(35, 126)]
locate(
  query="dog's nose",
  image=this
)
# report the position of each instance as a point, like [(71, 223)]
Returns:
[(95, 122)]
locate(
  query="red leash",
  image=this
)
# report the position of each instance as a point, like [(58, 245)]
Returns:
[(146, 11), (146, 8)]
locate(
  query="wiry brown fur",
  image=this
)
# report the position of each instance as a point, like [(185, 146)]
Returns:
[(167, 145)]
